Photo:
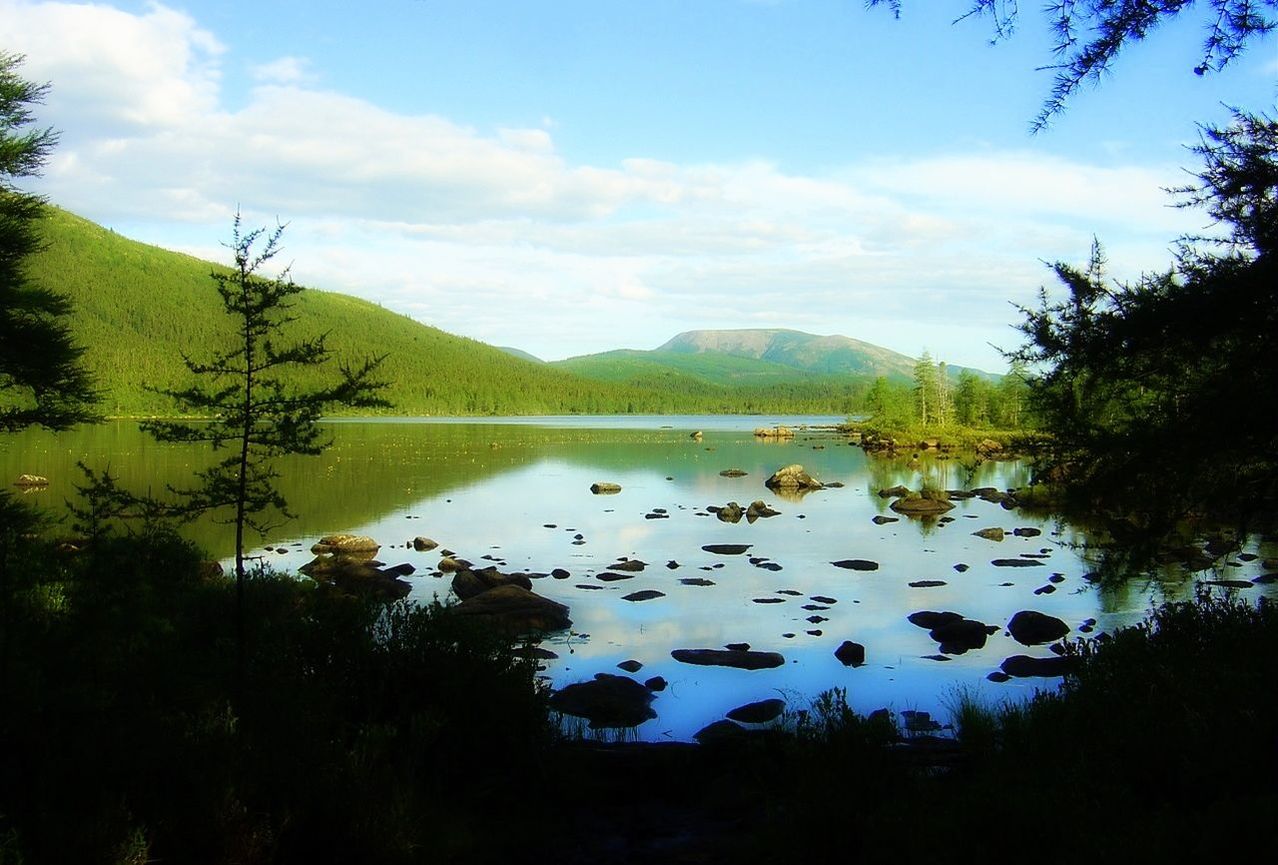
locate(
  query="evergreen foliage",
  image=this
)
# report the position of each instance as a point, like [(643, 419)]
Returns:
[(1090, 34), (42, 379), (1160, 393), (256, 414)]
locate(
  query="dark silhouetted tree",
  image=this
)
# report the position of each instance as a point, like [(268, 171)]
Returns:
[(255, 414), (42, 380), (1160, 393)]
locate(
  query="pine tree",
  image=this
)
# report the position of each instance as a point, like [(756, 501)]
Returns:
[(255, 415), (42, 380), (926, 390)]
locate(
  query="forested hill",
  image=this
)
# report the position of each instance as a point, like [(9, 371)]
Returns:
[(137, 308)]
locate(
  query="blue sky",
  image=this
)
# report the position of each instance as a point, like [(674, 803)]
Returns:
[(569, 177)]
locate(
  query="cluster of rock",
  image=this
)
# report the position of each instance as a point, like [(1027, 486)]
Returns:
[(31, 481), (347, 562), (507, 601), (776, 432), (927, 503), (733, 512)]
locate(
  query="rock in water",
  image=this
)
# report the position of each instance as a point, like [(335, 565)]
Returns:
[(516, 609), (775, 432), (1032, 628), (850, 654), (759, 510), (961, 636), (607, 701), (605, 488), (645, 595), (758, 713), (856, 564), (728, 658), (927, 503), (792, 477), (991, 534), (726, 549), (25, 480), (468, 583), (720, 731), (729, 513), (1022, 666), (346, 544), (930, 619)]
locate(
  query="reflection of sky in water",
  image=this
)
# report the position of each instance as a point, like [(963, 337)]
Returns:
[(505, 515)]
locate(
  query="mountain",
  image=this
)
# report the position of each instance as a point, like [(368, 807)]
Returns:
[(834, 354), (138, 309), (754, 357), (712, 366)]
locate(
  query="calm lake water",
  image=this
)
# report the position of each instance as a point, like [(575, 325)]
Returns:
[(516, 493)]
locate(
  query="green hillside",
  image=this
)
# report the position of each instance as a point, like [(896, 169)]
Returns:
[(137, 308)]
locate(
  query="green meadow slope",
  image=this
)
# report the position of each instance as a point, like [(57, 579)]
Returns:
[(138, 308)]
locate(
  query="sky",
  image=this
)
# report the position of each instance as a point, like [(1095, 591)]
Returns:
[(571, 177)]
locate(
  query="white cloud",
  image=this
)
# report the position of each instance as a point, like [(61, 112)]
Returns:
[(284, 70), (496, 235)]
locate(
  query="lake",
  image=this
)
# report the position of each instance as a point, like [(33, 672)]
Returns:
[(516, 493)]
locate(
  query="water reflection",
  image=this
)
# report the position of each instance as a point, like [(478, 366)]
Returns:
[(517, 495)]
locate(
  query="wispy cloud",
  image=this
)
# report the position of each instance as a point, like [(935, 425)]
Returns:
[(496, 235)]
